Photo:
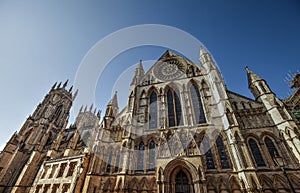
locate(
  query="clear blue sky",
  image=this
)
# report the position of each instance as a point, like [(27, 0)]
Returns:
[(42, 42)]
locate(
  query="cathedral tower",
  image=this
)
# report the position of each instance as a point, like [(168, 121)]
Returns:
[(29, 146)]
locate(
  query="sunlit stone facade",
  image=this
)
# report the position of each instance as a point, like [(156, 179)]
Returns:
[(182, 131)]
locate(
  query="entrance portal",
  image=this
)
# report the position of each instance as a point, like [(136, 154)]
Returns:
[(182, 184)]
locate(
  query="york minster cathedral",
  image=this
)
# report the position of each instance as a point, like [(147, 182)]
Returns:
[(182, 131)]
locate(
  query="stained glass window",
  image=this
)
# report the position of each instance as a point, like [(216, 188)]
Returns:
[(222, 153), (174, 108), (210, 164), (140, 164), (197, 104), (153, 111), (271, 147), (256, 153), (152, 156)]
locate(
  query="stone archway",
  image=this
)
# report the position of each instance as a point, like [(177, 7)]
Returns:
[(180, 176), (182, 184)]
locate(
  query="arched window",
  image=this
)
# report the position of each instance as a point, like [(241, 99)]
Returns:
[(271, 147), (57, 113), (210, 164), (117, 162), (153, 111), (152, 156), (108, 167), (256, 153), (140, 164), (262, 87), (222, 153), (174, 108), (197, 104)]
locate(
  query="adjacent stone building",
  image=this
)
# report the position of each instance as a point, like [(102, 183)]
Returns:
[(182, 131)]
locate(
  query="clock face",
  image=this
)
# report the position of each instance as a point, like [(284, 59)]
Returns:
[(169, 70)]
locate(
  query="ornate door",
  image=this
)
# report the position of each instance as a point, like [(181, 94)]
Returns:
[(182, 184)]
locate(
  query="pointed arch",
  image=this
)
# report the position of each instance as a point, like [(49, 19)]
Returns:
[(152, 155), (144, 184), (57, 113), (256, 154), (197, 104), (234, 185), (174, 108), (140, 160), (205, 88), (117, 161), (153, 110), (210, 164), (108, 166), (222, 153), (266, 182), (271, 147)]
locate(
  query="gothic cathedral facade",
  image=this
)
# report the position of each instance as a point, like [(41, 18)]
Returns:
[(182, 131)]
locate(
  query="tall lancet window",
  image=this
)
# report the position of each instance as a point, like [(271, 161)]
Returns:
[(271, 147), (57, 113), (117, 161), (153, 111), (197, 104), (140, 164), (210, 164), (174, 108), (256, 153), (222, 153), (108, 166), (152, 156)]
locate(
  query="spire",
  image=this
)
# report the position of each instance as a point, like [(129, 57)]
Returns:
[(65, 84), (252, 77), (112, 108), (206, 59), (114, 101), (54, 86), (138, 73)]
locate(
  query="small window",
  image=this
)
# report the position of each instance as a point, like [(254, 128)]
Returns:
[(72, 166), (61, 169), (54, 167)]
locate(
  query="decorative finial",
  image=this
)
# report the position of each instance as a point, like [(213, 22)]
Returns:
[(99, 114), (75, 94), (85, 108), (54, 85), (71, 89), (58, 86), (91, 107), (65, 84), (81, 108)]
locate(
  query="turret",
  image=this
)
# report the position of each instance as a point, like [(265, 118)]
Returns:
[(276, 110), (111, 111), (206, 59), (257, 85), (138, 74)]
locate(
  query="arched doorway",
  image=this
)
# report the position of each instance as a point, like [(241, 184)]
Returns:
[(182, 184), (180, 176)]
